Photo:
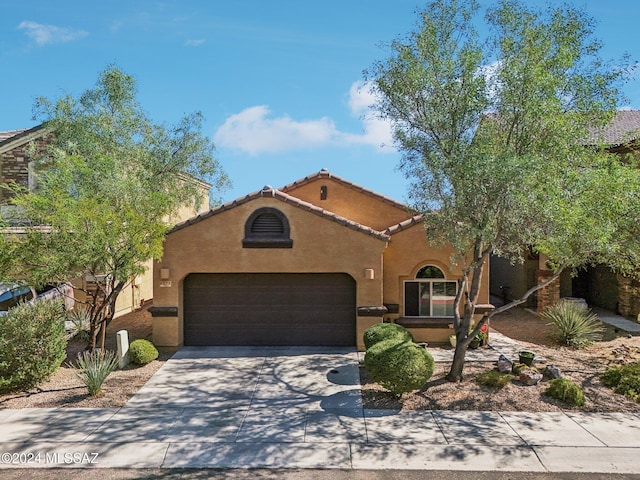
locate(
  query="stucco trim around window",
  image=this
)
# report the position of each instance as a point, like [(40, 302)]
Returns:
[(267, 227)]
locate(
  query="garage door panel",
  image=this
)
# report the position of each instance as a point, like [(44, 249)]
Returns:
[(269, 309)]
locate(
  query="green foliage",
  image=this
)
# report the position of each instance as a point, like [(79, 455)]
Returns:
[(493, 379), (109, 185), (79, 321), (573, 324), (486, 124), (624, 379), (94, 367), (518, 367), (142, 351), (565, 390), (399, 366), (385, 331), (32, 344)]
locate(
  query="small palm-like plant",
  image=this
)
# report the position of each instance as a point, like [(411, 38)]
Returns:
[(94, 367), (574, 324), (78, 324)]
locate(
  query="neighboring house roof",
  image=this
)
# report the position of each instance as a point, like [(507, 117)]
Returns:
[(15, 138), (271, 192), (623, 129), (324, 173)]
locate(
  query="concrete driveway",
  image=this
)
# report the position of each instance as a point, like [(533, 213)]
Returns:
[(302, 408)]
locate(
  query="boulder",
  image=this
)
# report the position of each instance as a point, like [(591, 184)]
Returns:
[(551, 371), (504, 364), (530, 377)]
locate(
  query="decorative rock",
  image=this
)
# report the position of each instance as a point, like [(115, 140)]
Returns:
[(552, 372), (504, 364), (530, 377)]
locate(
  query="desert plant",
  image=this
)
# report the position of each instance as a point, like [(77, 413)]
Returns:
[(385, 331), (398, 366), (624, 379), (78, 324), (94, 367), (573, 324), (142, 352), (493, 379), (565, 390), (32, 344)]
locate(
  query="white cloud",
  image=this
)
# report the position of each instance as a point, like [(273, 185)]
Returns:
[(195, 43), (377, 132), (254, 131), (48, 34)]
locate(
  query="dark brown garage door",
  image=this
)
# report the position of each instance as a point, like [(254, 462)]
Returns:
[(269, 309)]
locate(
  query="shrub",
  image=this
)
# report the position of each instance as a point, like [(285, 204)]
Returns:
[(624, 379), (93, 368), (386, 331), (142, 352), (574, 324), (565, 390), (32, 344), (78, 324), (493, 379), (398, 366)]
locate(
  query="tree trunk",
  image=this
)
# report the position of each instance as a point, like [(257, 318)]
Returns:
[(457, 366)]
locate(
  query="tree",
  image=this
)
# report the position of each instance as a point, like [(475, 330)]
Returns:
[(108, 182), (493, 140)]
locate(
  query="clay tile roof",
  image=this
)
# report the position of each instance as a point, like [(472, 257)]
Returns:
[(324, 173), (624, 128), (271, 192), (408, 223)]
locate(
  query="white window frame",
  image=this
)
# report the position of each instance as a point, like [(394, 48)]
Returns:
[(430, 283)]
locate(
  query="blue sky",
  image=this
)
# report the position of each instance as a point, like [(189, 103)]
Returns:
[(277, 80)]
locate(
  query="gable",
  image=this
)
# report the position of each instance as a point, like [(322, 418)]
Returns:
[(346, 199)]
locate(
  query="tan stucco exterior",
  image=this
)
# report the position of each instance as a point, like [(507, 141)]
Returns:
[(351, 230)]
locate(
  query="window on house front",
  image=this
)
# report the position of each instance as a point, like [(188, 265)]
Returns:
[(429, 295), (267, 228)]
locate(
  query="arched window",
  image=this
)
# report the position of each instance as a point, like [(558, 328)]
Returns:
[(429, 295), (267, 228)]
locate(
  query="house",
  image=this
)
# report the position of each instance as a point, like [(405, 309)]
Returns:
[(597, 284), (17, 167), (316, 262)]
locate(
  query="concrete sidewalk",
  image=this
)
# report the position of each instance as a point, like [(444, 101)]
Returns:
[(238, 437), (288, 408)]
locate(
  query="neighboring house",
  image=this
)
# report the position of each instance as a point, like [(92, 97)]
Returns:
[(314, 263), (16, 166), (597, 284)]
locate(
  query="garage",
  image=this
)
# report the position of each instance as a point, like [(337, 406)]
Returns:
[(269, 309)]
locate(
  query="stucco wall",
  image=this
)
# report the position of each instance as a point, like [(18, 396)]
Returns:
[(214, 245), (408, 252), (355, 205)]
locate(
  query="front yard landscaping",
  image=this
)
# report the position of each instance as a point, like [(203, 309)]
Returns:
[(584, 367)]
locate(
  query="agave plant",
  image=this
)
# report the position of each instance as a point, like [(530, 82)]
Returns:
[(574, 324), (78, 323), (94, 367)]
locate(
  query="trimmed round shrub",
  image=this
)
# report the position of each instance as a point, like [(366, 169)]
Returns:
[(142, 352), (565, 390), (32, 344), (398, 366), (386, 331)]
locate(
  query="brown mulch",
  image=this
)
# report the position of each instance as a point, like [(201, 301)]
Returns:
[(581, 366)]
